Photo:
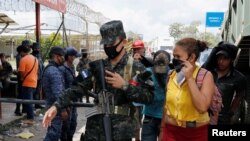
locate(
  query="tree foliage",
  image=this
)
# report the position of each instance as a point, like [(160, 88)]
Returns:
[(179, 30), (210, 38), (46, 42), (176, 30), (191, 30)]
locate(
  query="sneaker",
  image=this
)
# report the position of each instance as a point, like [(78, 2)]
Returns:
[(28, 121)]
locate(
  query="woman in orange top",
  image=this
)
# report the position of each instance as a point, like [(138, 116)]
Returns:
[(185, 110)]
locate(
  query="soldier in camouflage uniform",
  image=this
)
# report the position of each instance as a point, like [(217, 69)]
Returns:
[(83, 64), (53, 86), (124, 93)]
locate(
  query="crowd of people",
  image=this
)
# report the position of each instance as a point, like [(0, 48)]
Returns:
[(174, 106), (159, 95)]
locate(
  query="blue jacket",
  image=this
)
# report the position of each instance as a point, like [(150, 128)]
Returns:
[(155, 109), (68, 74), (52, 83)]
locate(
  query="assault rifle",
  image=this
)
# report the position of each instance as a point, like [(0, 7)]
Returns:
[(103, 97)]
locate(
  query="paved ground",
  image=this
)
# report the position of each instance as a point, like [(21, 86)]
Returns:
[(10, 120), (16, 126)]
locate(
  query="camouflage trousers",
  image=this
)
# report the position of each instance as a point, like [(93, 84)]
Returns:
[(123, 128)]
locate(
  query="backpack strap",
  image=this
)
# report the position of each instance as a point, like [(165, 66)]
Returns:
[(29, 71), (200, 77)]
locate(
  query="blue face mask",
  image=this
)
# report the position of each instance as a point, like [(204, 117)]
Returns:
[(111, 51)]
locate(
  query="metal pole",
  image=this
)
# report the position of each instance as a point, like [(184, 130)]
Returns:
[(12, 46), (42, 102), (205, 33), (47, 51), (65, 33), (38, 29), (63, 28), (87, 34), (0, 105)]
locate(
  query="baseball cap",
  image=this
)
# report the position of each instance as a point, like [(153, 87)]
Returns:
[(110, 31), (57, 51), (71, 51), (230, 49), (223, 52)]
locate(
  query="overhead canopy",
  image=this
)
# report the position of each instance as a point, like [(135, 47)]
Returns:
[(4, 19)]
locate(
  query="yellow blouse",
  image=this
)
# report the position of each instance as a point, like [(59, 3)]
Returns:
[(179, 104)]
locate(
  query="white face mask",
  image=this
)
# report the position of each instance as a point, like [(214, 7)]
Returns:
[(76, 61)]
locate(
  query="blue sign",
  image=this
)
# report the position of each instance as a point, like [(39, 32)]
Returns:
[(214, 19)]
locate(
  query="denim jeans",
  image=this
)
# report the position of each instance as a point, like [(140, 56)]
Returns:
[(150, 128), (27, 93)]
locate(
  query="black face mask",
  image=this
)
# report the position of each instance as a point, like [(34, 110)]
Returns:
[(84, 55), (178, 64), (111, 51), (35, 51)]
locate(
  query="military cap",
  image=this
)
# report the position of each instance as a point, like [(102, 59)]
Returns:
[(57, 51), (110, 31)]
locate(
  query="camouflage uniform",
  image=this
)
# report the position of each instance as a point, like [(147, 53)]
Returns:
[(122, 120), (82, 64), (53, 86), (70, 124), (123, 126)]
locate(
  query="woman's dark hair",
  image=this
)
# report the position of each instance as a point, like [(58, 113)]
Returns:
[(191, 45), (162, 51), (2, 55)]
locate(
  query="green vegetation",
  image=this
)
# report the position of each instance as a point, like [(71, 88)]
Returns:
[(179, 30)]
